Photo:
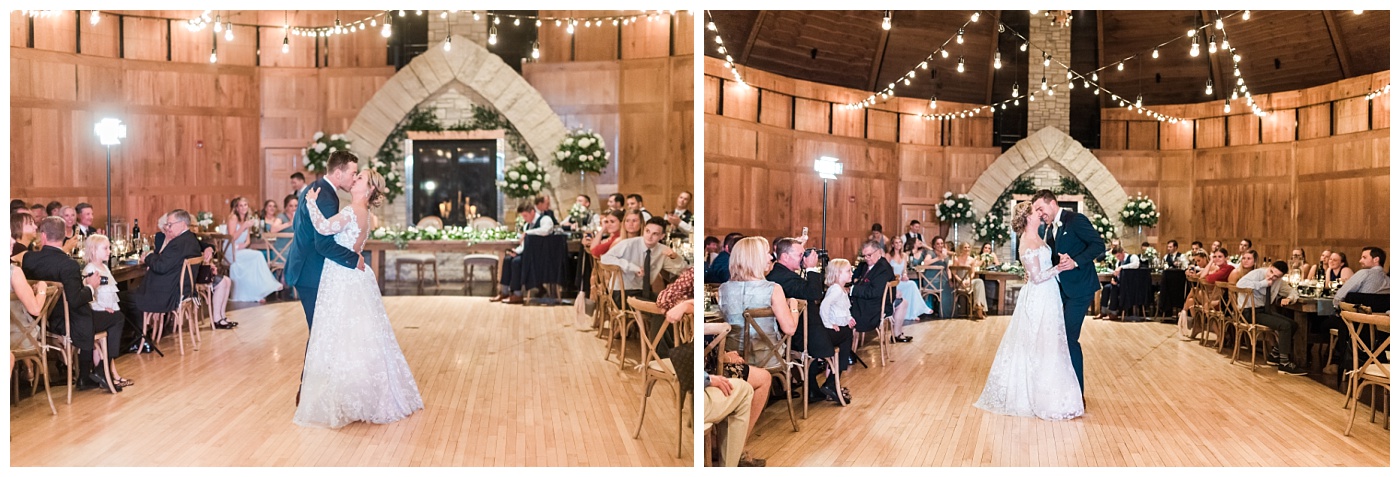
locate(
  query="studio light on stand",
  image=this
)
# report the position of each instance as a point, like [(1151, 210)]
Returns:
[(110, 132), (827, 168)]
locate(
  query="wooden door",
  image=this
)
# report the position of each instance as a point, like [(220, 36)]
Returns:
[(279, 164)]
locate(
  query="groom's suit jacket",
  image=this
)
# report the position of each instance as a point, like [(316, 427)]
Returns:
[(1076, 236), (310, 248)]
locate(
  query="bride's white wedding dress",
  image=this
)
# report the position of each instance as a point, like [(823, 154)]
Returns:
[(1032, 374), (354, 370)]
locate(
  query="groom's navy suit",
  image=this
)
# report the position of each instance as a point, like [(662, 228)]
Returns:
[(310, 249), (1077, 238)]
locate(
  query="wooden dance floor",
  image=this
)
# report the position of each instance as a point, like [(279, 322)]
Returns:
[(502, 386), (1153, 400)]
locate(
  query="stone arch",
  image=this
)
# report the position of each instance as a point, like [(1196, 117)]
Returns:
[(470, 67), (1049, 144)]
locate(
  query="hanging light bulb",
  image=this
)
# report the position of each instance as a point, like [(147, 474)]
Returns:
[(1195, 47), (1071, 84), (906, 81), (1120, 66), (924, 65), (1212, 48), (1025, 46), (374, 22), (943, 53), (386, 31), (1246, 15), (1097, 90), (1139, 100), (1225, 44), (517, 21), (1051, 92), (418, 12), (447, 45), (401, 13), (1045, 58), (1237, 71), (1237, 57), (996, 61), (286, 47), (1095, 76), (1235, 94), (1043, 84), (960, 36), (1155, 53), (886, 22), (538, 23), (933, 103), (218, 24), (535, 50), (570, 29), (1227, 107), (1219, 24), (1210, 87), (1016, 102), (975, 16), (491, 35), (960, 64), (443, 15), (94, 17), (214, 54), (228, 33), (1031, 98), (1191, 33), (1015, 89)]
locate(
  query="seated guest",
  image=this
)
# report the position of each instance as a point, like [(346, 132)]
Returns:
[(1265, 284), (589, 218), (161, 288), (210, 273), (681, 219), (28, 304), (964, 258), (84, 227), (97, 249), (796, 271), (1218, 271), (911, 303), (837, 321), (512, 274), (1338, 269), (730, 400), (51, 263), (282, 223), (937, 257), (642, 259), (877, 233), (247, 267), (632, 223), (915, 233), (71, 241), (1298, 263), (1197, 246), (1111, 301), (38, 211), (1319, 271), (1245, 246), (53, 208), (868, 293), (17, 204), (1371, 278), (677, 300), (1183, 319), (746, 290), (634, 202), (22, 231), (718, 271), (987, 257), (267, 213), (609, 233), (1246, 264), (711, 249), (1174, 258), (617, 202)]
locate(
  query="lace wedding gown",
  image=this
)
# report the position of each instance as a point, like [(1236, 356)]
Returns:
[(354, 370), (1032, 374)]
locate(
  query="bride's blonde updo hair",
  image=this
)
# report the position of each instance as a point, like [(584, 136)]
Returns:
[(1019, 216), (377, 189)]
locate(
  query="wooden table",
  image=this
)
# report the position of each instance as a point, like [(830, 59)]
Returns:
[(1304, 308), (1001, 278), (380, 247)]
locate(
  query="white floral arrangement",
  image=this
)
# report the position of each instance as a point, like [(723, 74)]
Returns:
[(993, 228), (204, 218), (524, 179), (579, 214), (955, 210), (315, 156), (1140, 211), (401, 237), (582, 151), (1149, 255), (1105, 227)]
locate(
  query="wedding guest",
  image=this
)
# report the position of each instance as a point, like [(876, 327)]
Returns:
[(1199, 268), (17, 204), (1370, 279), (868, 293), (1219, 268), (298, 183), (964, 258), (30, 301), (642, 259), (915, 233), (587, 220), (161, 288), (632, 222), (911, 304), (1265, 285), (730, 400), (83, 228), (51, 263), (282, 223), (1245, 246), (1174, 258), (247, 267), (1247, 262), (1319, 271), (681, 219), (936, 257), (512, 269), (634, 202), (53, 208), (877, 232), (22, 229), (746, 290), (1298, 262), (617, 202), (711, 249), (718, 271), (267, 213), (1338, 269), (796, 271), (71, 240), (837, 321), (37, 210), (1197, 246), (987, 257), (610, 233), (212, 274), (1111, 301), (105, 304)]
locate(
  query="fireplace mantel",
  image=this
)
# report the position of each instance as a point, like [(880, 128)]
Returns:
[(457, 135)]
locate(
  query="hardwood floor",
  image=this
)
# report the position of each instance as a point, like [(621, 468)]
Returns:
[(1152, 401), (502, 386)]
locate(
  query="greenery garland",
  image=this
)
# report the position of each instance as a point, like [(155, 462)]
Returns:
[(388, 161)]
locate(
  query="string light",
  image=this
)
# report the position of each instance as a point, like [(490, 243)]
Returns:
[(996, 61), (1212, 48), (214, 54), (1357, 12), (1195, 47), (491, 35), (943, 52), (960, 66), (1155, 54), (447, 45), (933, 102), (228, 33), (728, 60), (1120, 65), (886, 22), (1374, 94), (960, 36), (1246, 15), (1210, 87), (94, 17), (535, 51), (387, 30), (975, 16)]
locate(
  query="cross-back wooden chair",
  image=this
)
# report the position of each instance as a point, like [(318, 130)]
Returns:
[(715, 349), (616, 314), (32, 348), (1372, 364), (68, 351), (927, 287), (656, 368), (185, 312), (783, 370), (963, 291), (602, 297), (277, 261), (883, 333), (803, 360), (1241, 309), (1213, 318)]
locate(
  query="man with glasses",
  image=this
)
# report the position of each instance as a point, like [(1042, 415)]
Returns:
[(868, 289), (162, 288)]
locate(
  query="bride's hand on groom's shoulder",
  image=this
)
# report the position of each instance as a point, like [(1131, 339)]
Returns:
[(312, 193)]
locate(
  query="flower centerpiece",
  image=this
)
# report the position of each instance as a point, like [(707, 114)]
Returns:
[(401, 237), (1139, 212), (582, 151), (315, 156), (993, 228), (1105, 227), (1149, 256), (956, 211), (204, 219), (524, 179), (580, 216), (1013, 267)]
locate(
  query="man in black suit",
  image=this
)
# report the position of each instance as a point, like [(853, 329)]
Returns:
[(84, 226), (792, 260), (868, 290), (1075, 244), (682, 219), (161, 288), (51, 263), (540, 221)]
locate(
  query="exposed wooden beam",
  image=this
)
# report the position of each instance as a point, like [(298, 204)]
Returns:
[(1338, 45), (1216, 72), (879, 58), (991, 70), (753, 36), (1098, 22)]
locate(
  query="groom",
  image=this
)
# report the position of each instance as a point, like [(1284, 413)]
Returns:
[(310, 248), (1076, 245)]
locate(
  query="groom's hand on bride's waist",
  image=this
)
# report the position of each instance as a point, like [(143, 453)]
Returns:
[(361, 266)]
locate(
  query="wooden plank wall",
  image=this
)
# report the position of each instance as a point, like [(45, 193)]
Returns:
[(1316, 170), (198, 134), (760, 143), (643, 104), (655, 36)]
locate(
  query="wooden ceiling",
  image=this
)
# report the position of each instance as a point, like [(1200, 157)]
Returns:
[(1281, 50)]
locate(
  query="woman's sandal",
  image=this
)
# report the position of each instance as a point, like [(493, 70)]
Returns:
[(123, 382)]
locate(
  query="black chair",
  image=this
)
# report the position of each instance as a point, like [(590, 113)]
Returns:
[(1134, 291), (1173, 293)]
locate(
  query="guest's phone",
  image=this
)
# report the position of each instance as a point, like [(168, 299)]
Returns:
[(804, 231)]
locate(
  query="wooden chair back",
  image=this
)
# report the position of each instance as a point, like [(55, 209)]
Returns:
[(780, 349), (33, 347), (962, 274), (485, 223), (430, 221), (1375, 366), (279, 254), (636, 309)]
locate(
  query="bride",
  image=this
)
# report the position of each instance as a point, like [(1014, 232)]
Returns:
[(1032, 374), (355, 370)]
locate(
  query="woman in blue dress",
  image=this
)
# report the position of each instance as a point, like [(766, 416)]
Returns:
[(936, 257), (252, 279)]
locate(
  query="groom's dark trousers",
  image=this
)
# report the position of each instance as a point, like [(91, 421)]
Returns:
[(308, 301), (1075, 309)]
